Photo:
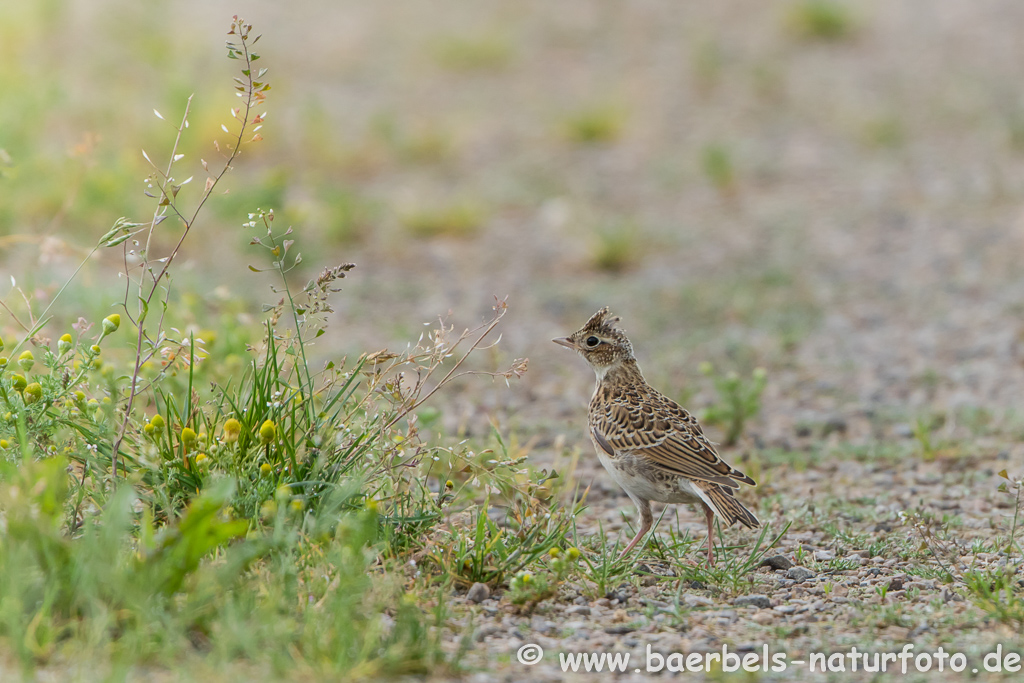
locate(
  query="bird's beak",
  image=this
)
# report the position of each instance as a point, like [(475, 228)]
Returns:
[(565, 341)]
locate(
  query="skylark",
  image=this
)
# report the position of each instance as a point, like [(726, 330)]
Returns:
[(653, 448)]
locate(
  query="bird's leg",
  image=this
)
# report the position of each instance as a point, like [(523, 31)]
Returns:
[(646, 520), (710, 516)]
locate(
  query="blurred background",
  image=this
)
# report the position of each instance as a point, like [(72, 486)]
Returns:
[(830, 190)]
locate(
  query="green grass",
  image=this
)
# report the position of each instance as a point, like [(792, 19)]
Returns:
[(457, 219), (595, 125), (827, 20)]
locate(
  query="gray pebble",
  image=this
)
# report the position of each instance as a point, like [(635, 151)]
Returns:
[(800, 574), (776, 562), (753, 600), (478, 592)]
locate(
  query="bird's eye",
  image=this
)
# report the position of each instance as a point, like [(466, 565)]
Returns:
[(592, 342)]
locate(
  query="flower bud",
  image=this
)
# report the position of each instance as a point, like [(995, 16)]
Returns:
[(268, 432), (33, 392), (19, 382), (26, 360), (157, 421), (111, 323), (64, 344), (232, 428)]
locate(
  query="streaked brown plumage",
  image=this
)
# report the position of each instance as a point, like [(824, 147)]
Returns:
[(652, 447)]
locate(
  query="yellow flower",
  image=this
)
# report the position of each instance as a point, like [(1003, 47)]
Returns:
[(297, 504), (157, 421), (201, 458), (265, 469), (555, 552), (573, 553), (4, 443), (188, 436), (79, 395), (19, 382), (64, 344), (149, 429), (268, 432)]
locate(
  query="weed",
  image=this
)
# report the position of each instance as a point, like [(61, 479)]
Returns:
[(598, 124), (459, 219), (739, 400), (485, 52), (828, 20), (616, 247), (716, 163)]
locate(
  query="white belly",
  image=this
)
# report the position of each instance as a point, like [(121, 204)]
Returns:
[(668, 490)]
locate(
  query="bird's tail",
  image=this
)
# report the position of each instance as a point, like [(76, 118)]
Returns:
[(724, 504)]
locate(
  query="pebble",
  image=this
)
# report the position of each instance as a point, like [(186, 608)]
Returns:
[(776, 562), (578, 609), (800, 574), (823, 556), (695, 600), (478, 592), (753, 600)]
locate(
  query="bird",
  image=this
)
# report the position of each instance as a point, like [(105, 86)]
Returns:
[(651, 446)]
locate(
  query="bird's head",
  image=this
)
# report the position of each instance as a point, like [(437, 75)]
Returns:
[(601, 342)]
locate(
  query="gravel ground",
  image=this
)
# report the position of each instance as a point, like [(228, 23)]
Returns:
[(866, 252)]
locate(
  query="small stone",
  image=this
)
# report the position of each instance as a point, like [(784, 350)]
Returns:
[(776, 562), (784, 609), (478, 592), (697, 585), (902, 431), (753, 600), (800, 574), (823, 556), (896, 584), (695, 600), (854, 559), (619, 629), (578, 609), (834, 424)]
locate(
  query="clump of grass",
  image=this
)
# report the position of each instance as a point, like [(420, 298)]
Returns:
[(346, 215), (739, 400), (485, 52), (457, 219), (708, 59), (616, 248), (597, 124), (828, 20), (122, 474), (716, 162), (885, 132)]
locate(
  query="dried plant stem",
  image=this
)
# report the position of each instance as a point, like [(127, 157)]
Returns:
[(167, 201)]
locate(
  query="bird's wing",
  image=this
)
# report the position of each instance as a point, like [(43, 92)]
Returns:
[(659, 430)]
